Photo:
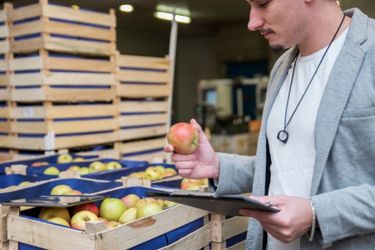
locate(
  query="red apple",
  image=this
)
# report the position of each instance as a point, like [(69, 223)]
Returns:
[(39, 164), (183, 137), (112, 208), (86, 207), (50, 212), (130, 200), (79, 219)]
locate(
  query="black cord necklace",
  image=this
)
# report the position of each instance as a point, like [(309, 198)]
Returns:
[(283, 135)]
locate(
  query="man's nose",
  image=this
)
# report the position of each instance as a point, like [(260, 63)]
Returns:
[(255, 20)]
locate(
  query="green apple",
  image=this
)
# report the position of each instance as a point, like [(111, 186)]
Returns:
[(153, 173), (113, 165), (97, 166), (145, 201), (169, 204), (79, 219), (60, 189), (128, 216), (148, 209), (51, 171), (73, 168), (50, 212), (112, 208), (78, 159), (84, 170), (64, 158), (24, 183), (58, 220)]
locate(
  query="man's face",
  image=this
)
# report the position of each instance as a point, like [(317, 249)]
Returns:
[(281, 22)]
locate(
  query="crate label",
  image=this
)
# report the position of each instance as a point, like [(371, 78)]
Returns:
[(28, 112), (49, 141)]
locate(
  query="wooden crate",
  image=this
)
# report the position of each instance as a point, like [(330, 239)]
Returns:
[(143, 77), (150, 150), (143, 118), (48, 236), (4, 32), (63, 29), (49, 76), (4, 211), (222, 229)]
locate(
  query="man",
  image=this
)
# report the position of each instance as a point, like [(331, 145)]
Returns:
[(316, 149)]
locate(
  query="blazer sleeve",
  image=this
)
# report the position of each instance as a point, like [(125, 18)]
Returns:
[(236, 174)]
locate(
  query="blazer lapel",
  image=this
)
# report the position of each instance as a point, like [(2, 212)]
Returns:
[(335, 97)]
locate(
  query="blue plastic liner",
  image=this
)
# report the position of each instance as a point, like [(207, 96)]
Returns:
[(32, 171), (86, 186), (236, 239), (50, 159), (16, 179)]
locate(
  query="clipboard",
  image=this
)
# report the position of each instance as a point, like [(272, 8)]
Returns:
[(53, 201), (223, 204)]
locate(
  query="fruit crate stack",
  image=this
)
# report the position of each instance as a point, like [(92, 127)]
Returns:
[(228, 232), (144, 90), (62, 77), (5, 139)]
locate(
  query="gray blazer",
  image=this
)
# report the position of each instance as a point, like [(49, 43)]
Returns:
[(343, 184)]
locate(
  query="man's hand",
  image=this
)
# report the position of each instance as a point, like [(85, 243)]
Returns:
[(292, 221), (202, 163)]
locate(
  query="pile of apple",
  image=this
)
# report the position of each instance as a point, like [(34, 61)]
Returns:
[(194, 184), (94, 167), (63, 158), (63, 189), (112, 211), (154, 173)]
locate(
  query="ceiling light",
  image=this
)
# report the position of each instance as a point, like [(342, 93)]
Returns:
[(164, 15), (126, 8), (169, 17)]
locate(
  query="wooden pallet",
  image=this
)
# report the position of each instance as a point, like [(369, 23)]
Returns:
[(4, 31), (143, 77), (62, 29), (143, 150), (48, 236), (223, 228), (46, 76)]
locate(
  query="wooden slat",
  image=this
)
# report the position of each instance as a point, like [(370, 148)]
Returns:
[(4, 47), (5, 127), (4, 31), (239, 246), (25, 12), (34, 62), (70, 29), (147, 156), (70, 14), (140, 91), (127, 134), (47, 236), (138, 120), (142, 76), (3, 65), (4, 112), (3, 15), (130, 235), (27, 45), (27, 95), (52, 78), (4, 80), (195, 240), (143, 62), (64, 127), (27, 28), (63, 142), (225, 229), (6, 141), (143, 106), (78, 64), (26, 79), (65, 111), (143, 145), (79, 46), (4, 94)]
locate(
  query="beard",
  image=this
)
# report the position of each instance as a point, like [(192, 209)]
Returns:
[(277, 48)]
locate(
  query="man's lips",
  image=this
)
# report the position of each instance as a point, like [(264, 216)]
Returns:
[(266, 33)]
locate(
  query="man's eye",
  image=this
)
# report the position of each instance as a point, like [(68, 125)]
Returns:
[(263, 4)]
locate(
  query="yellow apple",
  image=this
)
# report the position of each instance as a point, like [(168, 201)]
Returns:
[(113, 165), (51, 171), (60, 221), (148, 209), (128, 216), (78, 159), (50, 212), (97, 166), (130, 200), (60, 189), (84, 170), (64, 158), (153, 173), (79, 219)]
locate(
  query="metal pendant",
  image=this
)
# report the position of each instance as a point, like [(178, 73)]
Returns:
[(283, 136)]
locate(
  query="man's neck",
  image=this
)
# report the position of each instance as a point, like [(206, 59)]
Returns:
[(321, 31)]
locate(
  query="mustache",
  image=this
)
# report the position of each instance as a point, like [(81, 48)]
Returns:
[(263, 31)]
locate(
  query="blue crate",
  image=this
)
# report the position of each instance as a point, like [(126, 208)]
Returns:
[(16, 179)]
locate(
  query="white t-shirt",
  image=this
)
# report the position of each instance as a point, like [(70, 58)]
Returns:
[(293, 162)]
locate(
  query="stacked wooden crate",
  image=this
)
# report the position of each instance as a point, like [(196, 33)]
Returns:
[(62, 77), (143, 91), (5, 141), (228, 232)]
